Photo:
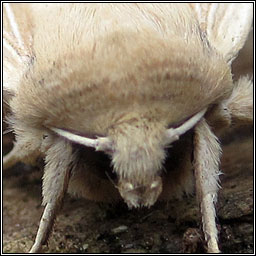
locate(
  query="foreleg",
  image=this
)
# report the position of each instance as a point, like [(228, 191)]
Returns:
[(26, 149), (59, 162), (237, 109), (207, 153)]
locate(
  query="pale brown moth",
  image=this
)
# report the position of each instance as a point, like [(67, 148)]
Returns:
[(130, 80)]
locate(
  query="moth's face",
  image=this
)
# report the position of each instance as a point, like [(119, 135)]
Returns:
[(138, 164), (137, 195), (137, 160)]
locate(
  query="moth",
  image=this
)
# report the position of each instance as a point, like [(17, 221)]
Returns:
[(117, 97)]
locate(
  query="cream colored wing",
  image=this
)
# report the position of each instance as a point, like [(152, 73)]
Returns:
[(17, 44), (226, 25)]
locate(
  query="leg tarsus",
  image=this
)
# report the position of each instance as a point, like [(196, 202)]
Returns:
[(209, 224), (45, 227)]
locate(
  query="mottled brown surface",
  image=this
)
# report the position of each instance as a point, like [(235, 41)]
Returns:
[(87, 227)]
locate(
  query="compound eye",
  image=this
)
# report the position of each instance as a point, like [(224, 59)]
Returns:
[(154, 184)]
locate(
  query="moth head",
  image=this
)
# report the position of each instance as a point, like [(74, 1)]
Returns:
[(137, 151)]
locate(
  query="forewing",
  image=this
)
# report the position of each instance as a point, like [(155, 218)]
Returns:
[(17, 44), (226, 25)]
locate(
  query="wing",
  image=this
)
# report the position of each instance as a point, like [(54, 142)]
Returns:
[(226, 25), (17, 44)]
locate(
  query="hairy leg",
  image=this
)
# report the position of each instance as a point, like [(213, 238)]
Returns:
[(207, 153), (59, 162), (24, 150), (237, 109)]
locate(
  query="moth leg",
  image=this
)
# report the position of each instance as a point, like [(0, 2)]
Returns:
[(240, 103), (26, 149), (20, 153), (207, 153), (29, 145), (59, 161), (237, 109), (11, 158)]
